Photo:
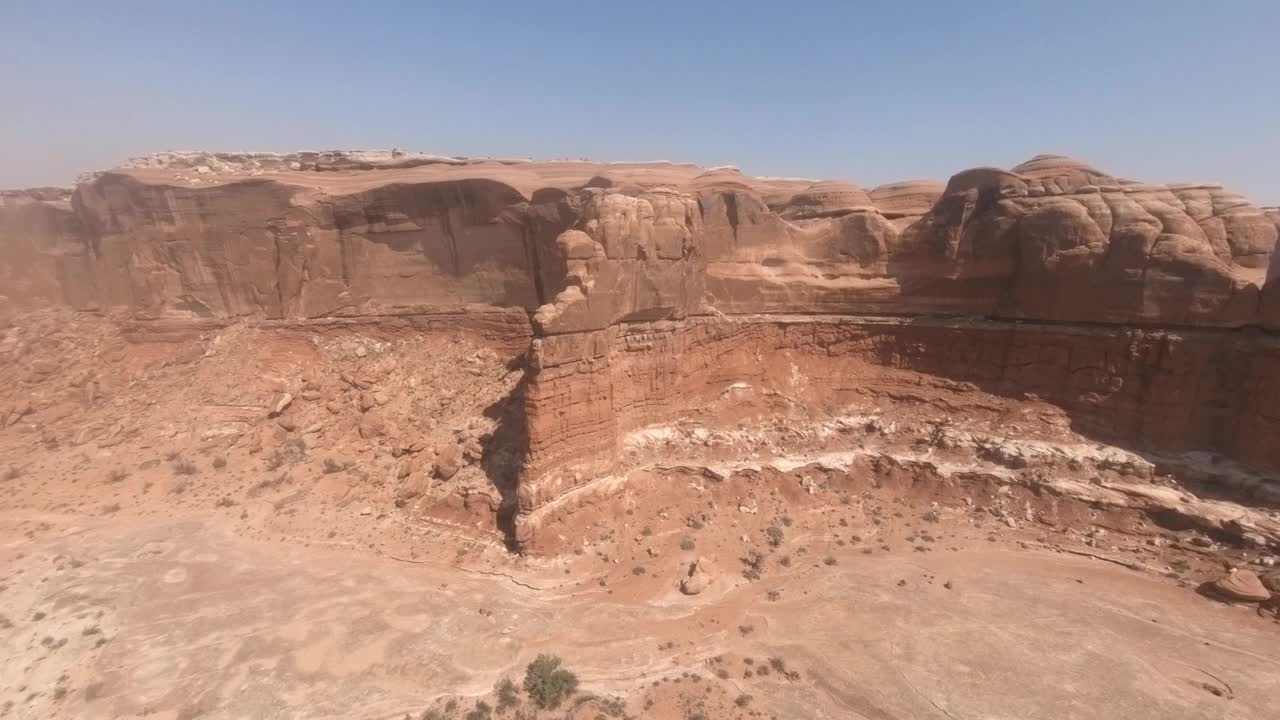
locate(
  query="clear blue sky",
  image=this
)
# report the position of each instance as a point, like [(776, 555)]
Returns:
[(872, 92)]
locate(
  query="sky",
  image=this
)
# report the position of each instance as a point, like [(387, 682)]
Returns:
[(870, 92)]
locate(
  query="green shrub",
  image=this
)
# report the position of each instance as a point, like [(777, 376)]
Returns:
[(508, 694), (548, 684), (481, 711)]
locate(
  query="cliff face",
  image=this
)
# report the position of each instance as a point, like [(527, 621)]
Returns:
[(653, 287), (265, 248), (41, 247)]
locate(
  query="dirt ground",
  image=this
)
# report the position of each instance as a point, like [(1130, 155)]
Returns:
[(171, 546), (183, 618)]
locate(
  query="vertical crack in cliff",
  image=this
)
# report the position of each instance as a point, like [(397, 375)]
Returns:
[(535, 262), (731, 212), (446, 225), (275, 241), (506, 452), (1145, 380)]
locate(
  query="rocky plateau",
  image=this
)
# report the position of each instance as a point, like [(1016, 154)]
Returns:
[(572, 398)]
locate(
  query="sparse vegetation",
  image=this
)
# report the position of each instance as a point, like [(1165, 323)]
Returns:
[(183, 466), (548, 684), (219, 462), (638, 570), (687, 544), (112, 508), (828, 560), (614, 707), (742, 700), (774, 535), (754, 562), (508, 694), (481, 711), (13, 472), (332, 466), (268, 484), (292, 452), (117, 475)]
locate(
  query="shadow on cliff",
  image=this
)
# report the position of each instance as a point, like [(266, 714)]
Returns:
[(505, 449)]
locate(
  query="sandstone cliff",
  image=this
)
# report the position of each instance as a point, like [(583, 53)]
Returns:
[(653, 286), (323, 234)]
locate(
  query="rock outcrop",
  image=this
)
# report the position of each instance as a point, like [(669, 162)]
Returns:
[(1141, 309), (1240, 586)]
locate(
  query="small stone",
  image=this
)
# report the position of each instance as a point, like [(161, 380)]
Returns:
[(381, 398), (447, 462), (413, 487), (310, 395), (372, 425), (361, 351), (366, 402), (366, 511), (282, 401), (333, 406)]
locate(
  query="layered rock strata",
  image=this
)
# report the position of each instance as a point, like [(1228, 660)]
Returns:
[(1142, 310)]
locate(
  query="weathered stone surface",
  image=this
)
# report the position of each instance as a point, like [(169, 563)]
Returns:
[(1271, 580), (280, 403), (1242, 586), (360, 233), (826, 199), (448, 461), (696, 578), (909, 199), (638, 288)]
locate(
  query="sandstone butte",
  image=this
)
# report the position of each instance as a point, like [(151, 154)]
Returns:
[(1144, 311)]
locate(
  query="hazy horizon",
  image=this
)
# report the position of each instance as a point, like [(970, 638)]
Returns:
[(871, 93)]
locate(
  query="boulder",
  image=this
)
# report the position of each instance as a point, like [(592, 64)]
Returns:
[(696, 578), (413, 487), (1241, 586), (1271, 580), (372, 425), (448, 461)]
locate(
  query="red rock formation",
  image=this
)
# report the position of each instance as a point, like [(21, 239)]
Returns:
[(41, 250), (651, 285)]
